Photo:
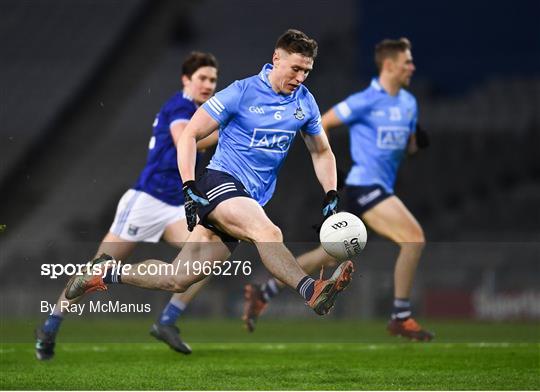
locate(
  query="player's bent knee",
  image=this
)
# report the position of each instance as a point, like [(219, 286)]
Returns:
[(177, 286), (271, 233), (416, 236)]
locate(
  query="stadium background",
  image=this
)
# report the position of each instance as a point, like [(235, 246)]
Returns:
[(81, 83)]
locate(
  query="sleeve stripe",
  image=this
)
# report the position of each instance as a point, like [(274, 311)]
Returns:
[(213, 106), (217, 102)]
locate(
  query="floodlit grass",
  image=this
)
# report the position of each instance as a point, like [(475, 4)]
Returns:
[(318, 354)]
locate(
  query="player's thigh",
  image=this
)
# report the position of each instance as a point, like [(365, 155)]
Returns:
[(140, 217), (245, 219), (116, 247), (391, 218), (203, 244), (176, 233)]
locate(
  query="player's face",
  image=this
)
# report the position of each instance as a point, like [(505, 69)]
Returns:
[(202, 84), (404, 68), (290, 70)]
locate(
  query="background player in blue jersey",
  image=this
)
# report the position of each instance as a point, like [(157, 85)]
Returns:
[(153, 208), (258, 118), (382, 121)]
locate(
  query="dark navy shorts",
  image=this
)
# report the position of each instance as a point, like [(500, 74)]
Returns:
[(218, 186), (364, 197)]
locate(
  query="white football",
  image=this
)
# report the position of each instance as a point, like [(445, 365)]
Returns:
[(343, 235)]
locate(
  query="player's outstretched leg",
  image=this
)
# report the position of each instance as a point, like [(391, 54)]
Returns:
[(244, 218), (79, 285), (177, 276)]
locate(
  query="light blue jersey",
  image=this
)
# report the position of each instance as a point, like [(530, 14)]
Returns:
[(380, 127), (257, 128)]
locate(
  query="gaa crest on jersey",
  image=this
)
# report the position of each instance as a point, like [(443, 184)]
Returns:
[(272, 140), (299, 114)]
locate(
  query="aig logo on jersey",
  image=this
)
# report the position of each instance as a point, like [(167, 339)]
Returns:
[(392, 138), (271, 140)]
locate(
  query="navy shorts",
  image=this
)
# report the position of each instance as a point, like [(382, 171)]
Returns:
[(218, 186), (364, 197)]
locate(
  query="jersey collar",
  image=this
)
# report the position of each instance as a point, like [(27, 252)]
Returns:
[(189, 98), (376, 85), (263, 75)]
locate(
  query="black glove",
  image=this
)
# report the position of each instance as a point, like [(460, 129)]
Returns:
[(422, 138), (330, 203), (193, 199), (341, 176)]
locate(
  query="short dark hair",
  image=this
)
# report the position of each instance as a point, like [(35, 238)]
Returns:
[(390, 48), (196, 60), (295, 41)]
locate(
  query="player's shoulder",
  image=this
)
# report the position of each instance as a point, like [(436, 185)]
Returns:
[(238, 87), (179, 100), (245, 83), (362, 97), (303, 93)]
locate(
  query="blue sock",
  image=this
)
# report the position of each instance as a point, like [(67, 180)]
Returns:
[(172, 312), (306, 287), (113, 275), (402, 309), (52, 324), (270, 289)]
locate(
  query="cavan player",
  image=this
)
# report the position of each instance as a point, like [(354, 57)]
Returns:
[(154, 207)]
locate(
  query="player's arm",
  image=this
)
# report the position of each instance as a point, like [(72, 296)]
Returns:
[(209, 141), (418, 140), (200, 126), (324, 161), (177, 127), (412, 147), (330, 120)]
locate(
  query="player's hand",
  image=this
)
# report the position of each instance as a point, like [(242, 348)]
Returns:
[(422, 137), (193, 199), (330, 203)]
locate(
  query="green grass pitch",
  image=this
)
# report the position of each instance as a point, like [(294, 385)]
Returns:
[(316, 354)]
